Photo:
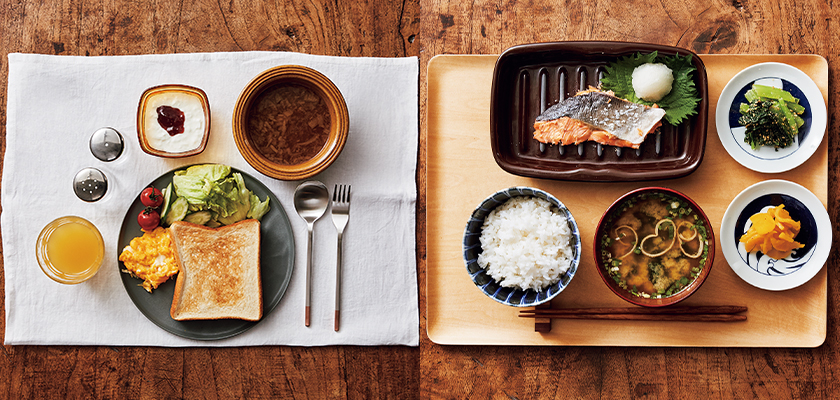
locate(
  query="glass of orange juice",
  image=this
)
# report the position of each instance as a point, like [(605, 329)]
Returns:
[(70, 250)]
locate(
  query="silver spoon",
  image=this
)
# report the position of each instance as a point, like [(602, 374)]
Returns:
[(311, 201)]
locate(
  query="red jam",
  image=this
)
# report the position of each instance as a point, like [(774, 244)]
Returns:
[(171, 120)]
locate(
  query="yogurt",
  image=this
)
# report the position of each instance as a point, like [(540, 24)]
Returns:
[(157, 117)]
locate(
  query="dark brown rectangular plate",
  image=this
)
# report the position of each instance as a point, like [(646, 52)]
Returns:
[(530, 78)]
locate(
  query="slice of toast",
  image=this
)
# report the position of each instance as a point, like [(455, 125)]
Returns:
[(219, 275)]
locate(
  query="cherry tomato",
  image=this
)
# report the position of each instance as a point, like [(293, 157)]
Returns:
[(151, 197), (149, 219)]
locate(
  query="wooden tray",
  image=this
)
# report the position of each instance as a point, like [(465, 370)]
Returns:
[(462, 172)]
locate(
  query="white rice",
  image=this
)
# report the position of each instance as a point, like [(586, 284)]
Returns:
[(525, 244)]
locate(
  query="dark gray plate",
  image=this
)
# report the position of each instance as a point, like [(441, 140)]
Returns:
[(277, 258)]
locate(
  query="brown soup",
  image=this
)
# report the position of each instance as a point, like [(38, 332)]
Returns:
[(655, 245), (289, 124)]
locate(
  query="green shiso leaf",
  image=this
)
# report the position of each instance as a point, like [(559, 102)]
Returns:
[(679, 104), (618, 76)]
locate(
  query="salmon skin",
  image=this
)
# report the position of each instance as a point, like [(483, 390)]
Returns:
[(597, 116)]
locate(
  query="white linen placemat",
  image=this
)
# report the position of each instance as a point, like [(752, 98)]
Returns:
[(54, 105)]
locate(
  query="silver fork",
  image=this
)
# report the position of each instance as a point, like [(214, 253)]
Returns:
[(340, 216)]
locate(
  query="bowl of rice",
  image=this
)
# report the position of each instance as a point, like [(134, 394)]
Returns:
[(521, 246)]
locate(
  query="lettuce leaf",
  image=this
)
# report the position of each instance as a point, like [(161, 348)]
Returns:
[(679, 104), (258, 208), (211, 172), (212, 187)]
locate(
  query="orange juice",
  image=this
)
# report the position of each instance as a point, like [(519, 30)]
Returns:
[(70, 250)]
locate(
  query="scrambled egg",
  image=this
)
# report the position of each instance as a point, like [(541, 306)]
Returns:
[(150, 257)]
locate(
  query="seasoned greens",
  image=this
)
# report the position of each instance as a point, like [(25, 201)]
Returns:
[(772, 117)]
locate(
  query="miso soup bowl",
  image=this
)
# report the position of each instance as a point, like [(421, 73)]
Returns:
[(601, 250), (291, 75)]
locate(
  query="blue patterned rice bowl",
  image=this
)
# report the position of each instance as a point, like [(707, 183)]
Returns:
[(530, 290)]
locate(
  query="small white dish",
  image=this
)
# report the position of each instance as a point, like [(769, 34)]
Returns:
[(760, 270), (767, 159)]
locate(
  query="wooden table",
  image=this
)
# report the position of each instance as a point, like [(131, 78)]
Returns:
[(423, 28)]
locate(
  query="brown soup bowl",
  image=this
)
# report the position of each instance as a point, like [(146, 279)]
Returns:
[(278, 140), (634, 275)]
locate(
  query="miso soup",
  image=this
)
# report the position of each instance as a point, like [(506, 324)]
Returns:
[(655, 245)]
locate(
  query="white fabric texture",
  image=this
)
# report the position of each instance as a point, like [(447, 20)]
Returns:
[(55, 103)]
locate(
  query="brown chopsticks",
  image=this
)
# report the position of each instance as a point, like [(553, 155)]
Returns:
[(698, 313), (542, 324)]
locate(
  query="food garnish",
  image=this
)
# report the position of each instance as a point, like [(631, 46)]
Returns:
[(773, 233), (151, 197), (148, 219), (680, 103), (652, 81), (151, 258), (772, 117), (167, 201)]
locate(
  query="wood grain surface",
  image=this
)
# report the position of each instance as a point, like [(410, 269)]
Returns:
[(423, 28)]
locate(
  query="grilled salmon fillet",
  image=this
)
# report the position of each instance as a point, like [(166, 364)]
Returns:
[(597, 116)]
